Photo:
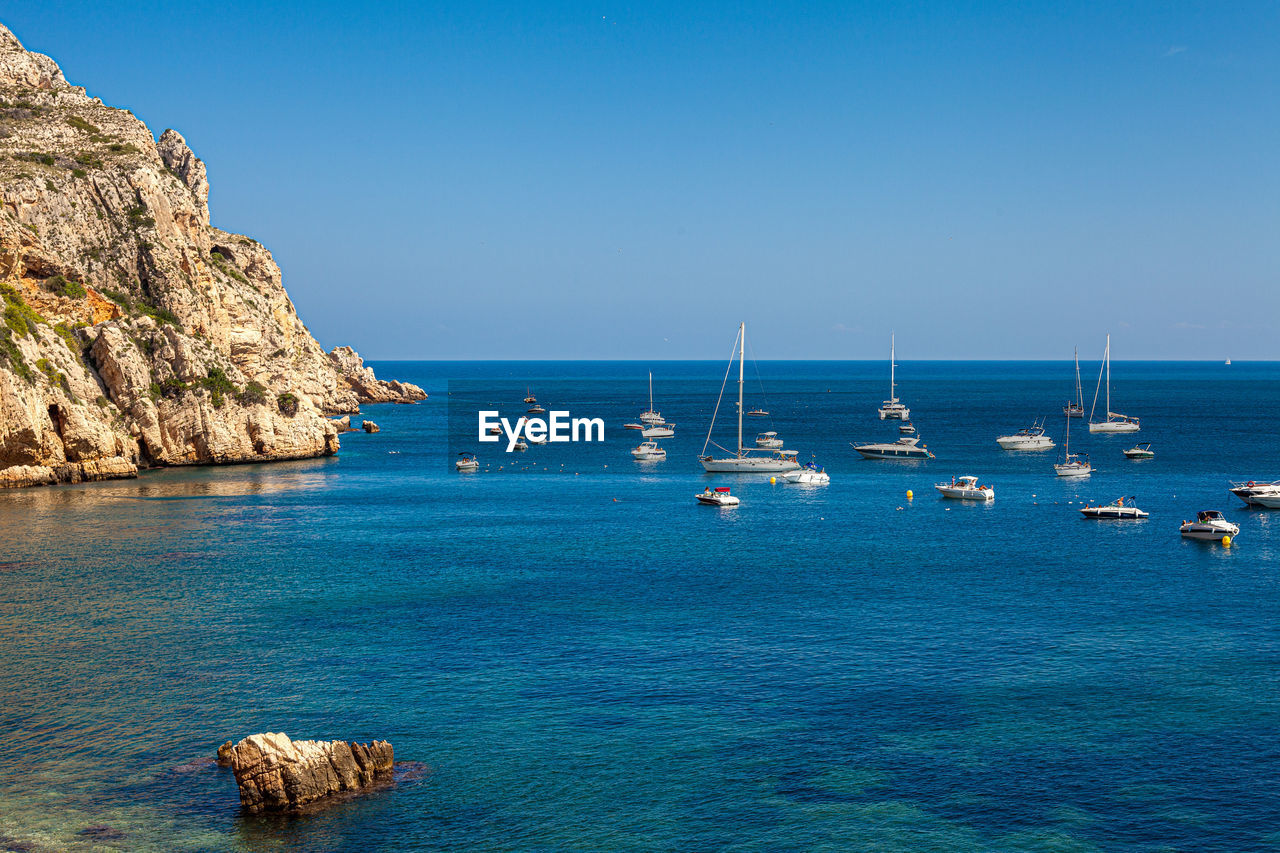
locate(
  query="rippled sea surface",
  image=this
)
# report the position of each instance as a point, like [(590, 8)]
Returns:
[(587, 659)]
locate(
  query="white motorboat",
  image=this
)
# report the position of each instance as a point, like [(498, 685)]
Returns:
[(1141, 450), (648, 450), (966, 488), (893, 408), (520, 445), (1253, 493), (1119, 508), (1209, 525), (757, 413), (649, 416), (633, 426), (768, 439), (529, 398), (742, 460), (906, 429), (906, 447), (662, 430), (1075, 408), (535, 409), (1114, 421), (494, 430), (1029, 438), (809, 475), (1072, 464), (467, 462), (719, 496)]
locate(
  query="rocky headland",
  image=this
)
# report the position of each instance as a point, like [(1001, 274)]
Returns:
[(136, 333)]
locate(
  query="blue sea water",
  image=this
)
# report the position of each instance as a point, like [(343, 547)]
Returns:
[(585, 658)]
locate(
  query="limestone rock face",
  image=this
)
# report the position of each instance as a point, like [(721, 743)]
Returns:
[(134, 332), (276, 774)]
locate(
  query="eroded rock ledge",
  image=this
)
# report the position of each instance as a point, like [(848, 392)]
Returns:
[(276, 774), (133, 332)]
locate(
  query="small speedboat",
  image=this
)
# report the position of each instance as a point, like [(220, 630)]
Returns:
[(1074, 465), (1209, 525), (494, 430), (966, 489), (648, 450), (719, 496), (1142, 450), (633, 426), (1255, 493), (1028, 438), (809, 475), (535, 409), (663, 430), (467, 462), (906, 447), (757, 413), (768, 439), (520, 445), (906, 429), (651, 417), (1119, 508)]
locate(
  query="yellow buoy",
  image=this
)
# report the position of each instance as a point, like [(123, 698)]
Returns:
[(910, 494), (773, 480), (1226, 540)]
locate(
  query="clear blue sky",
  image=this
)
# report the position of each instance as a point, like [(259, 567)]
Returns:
[(629, 180)]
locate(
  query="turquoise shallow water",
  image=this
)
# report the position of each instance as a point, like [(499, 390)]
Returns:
[(818, 669)]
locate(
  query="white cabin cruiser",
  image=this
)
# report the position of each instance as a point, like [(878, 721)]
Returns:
[(1119, 508), (467, 462), (1141, 450), (906, 447), (810, 475), (743, 460), (648, 450), (1254, 493), (520, 445), (1209, 525), (907, 429), (719, 496), (768, 439), (662, 430), (966, 488), (1029, 438)]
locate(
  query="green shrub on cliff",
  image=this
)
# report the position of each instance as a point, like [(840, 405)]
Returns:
[(218, 384), (121, 299), (10, 354), (160, 315), (138, 218), (287, 404), (80, 124), (252, 395), (64, 287), (20, 317)]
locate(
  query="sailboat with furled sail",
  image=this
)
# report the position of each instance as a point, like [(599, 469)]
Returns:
[(1075, 408), (745, 460), (893, 408), (1114, 421)]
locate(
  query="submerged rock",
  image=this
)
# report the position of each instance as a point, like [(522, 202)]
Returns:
[(370, 426), (224, 754), (276, 774)]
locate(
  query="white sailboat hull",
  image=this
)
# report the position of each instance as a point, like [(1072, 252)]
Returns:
[(660, 431), (1114, 426), (748, 465), (1073, 470)]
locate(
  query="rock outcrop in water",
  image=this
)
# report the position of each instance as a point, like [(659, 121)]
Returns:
[(276, 774), (135, 332)]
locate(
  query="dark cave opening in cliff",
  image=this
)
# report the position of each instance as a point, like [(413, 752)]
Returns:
[(55, 415)]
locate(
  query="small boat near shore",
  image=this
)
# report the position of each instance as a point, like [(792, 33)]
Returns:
[(1028, 438), (810, 474), (966, 488), (1114, 421), (906, 447), (1072, 465), (1210, 525), (662, 430), (1125, 507), (467, 462), (648, 451), (1142, 450), (768, 440), (1254, 493), (719, 496)]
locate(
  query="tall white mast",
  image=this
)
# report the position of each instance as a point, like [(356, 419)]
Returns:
[(1079, 390), (892, 393), (651, 390), (1108, 377), (742, 354)]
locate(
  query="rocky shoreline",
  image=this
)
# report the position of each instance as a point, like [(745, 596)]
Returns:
[(276, 774), (136, 334)]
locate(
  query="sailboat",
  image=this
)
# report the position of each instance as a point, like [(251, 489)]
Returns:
[(893, 408), (649, 416), (742, 461), (1072, 465), (1115, 422), (1076, 406)]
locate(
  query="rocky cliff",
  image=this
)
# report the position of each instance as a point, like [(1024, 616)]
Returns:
[(135, 332)]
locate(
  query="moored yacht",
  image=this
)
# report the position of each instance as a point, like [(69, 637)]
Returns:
[(649, 416), (1209, 525), (1141, 450), (1114, 421), (743, 460), (648, 450), (1028, 438), (893, 408), (1254, 493), (467, 462), (810, 475), (1119, 508), (1075, 408), (719, 496), (768, 439), (1072, 465), (906, 447), (662, 430), (966, 489)]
